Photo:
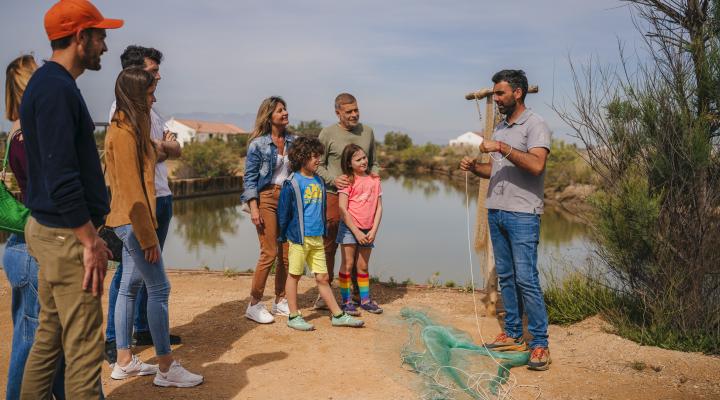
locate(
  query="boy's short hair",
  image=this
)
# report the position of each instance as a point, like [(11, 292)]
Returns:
[(302, 149)]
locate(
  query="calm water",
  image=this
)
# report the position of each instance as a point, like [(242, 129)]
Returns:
[(423, 232)]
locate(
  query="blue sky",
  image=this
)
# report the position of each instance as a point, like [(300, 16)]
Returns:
[(409, 62)]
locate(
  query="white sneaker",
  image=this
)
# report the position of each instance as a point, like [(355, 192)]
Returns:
[(281, 308), (177, 376), (135, 368), (259, 313)]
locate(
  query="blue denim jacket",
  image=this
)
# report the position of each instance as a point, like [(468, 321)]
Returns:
[(290, 211), (260, 164)]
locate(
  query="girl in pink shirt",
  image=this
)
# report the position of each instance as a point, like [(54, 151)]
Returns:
[(361, 212)]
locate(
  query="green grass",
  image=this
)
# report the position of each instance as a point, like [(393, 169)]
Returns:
[(230, 272), (576, 298)]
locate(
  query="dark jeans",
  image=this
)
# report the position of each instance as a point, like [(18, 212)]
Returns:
[(22, 273), (515, 237), (164, 211)]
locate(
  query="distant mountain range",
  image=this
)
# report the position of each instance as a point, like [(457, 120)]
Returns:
[(247, 122)]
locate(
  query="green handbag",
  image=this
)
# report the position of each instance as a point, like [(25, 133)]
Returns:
[(13, 214)]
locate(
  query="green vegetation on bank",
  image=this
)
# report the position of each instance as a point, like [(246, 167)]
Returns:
[(565, 166), (653, 140), (397, 151), (579, 296), (211, 158)]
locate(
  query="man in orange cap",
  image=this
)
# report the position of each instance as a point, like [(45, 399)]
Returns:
[(68, 201)]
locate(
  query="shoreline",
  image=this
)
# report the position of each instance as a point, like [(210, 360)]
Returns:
[(237, 357)]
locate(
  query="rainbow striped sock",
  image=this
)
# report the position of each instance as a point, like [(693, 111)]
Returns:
[(364, 286), (344, 280)]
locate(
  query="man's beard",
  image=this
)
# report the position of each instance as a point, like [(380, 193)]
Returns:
[(91, 59), (507, 109)]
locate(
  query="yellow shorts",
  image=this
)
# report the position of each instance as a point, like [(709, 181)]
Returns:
[(311, 251)]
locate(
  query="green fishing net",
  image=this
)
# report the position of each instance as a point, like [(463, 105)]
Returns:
[(450, 364)]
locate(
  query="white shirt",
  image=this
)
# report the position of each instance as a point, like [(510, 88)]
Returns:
[(157, 129), (282, 170)]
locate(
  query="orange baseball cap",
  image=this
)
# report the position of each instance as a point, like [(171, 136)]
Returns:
[(67, 17)]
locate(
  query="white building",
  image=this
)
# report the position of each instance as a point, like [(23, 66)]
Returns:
[(191, 130), (467, 139)]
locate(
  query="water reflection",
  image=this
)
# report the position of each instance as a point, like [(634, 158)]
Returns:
[(424, 231), (558, 227), (207, 221)]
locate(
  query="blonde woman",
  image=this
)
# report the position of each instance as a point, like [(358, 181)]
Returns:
[(20, 267), (130, 157), (266, 167)]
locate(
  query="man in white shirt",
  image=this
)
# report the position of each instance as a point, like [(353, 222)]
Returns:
[(167, 147)]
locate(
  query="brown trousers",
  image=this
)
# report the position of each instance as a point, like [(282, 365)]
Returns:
[(270, 250), (70, 318)]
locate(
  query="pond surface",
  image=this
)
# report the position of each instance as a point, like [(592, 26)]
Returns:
[(423, 234)]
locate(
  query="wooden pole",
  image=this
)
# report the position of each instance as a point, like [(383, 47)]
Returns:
[(491, 278)]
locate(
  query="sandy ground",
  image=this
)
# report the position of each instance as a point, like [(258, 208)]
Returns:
[(243, 360)]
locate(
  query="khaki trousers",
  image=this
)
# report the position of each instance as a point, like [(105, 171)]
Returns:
[(70, 319), (270, 250)]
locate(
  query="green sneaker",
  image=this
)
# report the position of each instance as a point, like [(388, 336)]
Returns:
[(346, 320), (300, 324)]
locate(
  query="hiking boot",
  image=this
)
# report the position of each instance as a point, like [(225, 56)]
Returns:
[(259, 313), (134, 368), (320, 304), (297, 322), (177, 376), (281, 308), (346, 320), (111, 353), (539, 359), (371, 307), (351, 309), (145, 339), (504, 342)]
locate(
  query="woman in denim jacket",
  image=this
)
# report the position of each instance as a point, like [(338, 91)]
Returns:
[(266, 167)]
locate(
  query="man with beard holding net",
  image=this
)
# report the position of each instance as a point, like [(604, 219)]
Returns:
[(518, 150)]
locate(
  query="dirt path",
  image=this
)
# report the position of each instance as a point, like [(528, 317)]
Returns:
[(242, 360)]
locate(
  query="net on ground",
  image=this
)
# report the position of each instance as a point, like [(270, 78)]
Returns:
[(451, 365)]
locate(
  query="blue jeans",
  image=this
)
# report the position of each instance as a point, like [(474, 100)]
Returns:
[(136, 272), (22, 273), (515, 237), (164, 212)]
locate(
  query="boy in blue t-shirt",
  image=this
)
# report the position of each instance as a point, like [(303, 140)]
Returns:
[(301, 216)]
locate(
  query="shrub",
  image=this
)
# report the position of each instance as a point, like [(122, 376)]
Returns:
[(566, 167), (397, 141), (207, 159)]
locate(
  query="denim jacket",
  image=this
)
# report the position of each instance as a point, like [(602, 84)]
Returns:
[(260, 164), (290, 211)]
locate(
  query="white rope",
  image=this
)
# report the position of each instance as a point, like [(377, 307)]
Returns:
[(477, 106), (505, 390)]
